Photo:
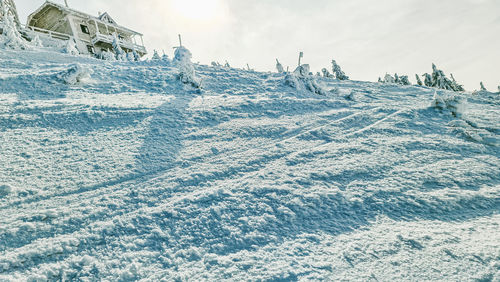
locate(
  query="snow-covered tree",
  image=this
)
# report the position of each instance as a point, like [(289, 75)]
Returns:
[(108, 55), (279, 67), (119, 53), (70, 48), (457, 87), (396, 79), (301, 79), (337, 71), (11, 38), (419, 81), (389, 79), (380, 80), (130, 57), (427, 80), (498, 88), (156, 56), (326, 73), (137, 58), (227, 65), (165, 58), (187, 75), (404, 80), (482, 86), (36, 41)]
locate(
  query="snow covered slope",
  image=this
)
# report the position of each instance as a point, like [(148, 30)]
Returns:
[(131, 175)]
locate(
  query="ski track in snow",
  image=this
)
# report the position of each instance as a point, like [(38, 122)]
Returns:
[(134, 176)]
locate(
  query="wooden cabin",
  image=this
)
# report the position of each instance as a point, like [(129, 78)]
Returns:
[(92, 35)]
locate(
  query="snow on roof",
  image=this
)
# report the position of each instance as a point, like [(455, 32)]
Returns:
[(104, 18)]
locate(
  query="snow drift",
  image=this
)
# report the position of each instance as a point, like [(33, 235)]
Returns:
[(137, 177)]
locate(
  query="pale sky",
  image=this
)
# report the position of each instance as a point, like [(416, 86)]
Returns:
[(367, 38)]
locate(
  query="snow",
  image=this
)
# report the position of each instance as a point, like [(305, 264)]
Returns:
[(131, 175)]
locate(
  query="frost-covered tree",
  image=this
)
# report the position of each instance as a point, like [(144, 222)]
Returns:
[(498, 88), (70, 48), (11, 38), (482, 86), (404, 80), (120, 54), (108, 55), (326, 73), (36, 41), (187, 75), (156, 56), (227, 65), (389, 79), (279, 67), (396, 79), (439, 80), (427, 80), (137, 58), (380, 80), (301, 79), (165, 57), (419, 81), (130, 57), (457, 87), (337, 71)]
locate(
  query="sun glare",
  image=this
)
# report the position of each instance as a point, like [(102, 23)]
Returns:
[(202, 10)]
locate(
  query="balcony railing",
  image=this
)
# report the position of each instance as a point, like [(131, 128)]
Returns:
[(52, 34), (99, 37)]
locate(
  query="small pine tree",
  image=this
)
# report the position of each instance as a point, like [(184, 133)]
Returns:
[(187, 74), (337, 71), (482, 86), (388, 78), (137, 57), (404, 80), (380, 80), (326, 73), (427, 80), (36, 41), (119, 53), (279, 67), (227, 65), (419, 81), (498, 88), (156, 56), (456, 87), (396, 79), (70, 48)]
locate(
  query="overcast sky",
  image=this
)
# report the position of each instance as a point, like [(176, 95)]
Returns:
[(367, 38)]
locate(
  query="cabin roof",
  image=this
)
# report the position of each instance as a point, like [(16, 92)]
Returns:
[(104, 18)]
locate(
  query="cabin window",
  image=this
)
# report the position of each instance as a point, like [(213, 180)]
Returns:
[(85, 29), (91, 49)]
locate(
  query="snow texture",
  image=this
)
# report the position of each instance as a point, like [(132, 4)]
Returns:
[(134, 176), (76, 74)]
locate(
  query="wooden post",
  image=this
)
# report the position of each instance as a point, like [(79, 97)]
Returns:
[(300, 57)]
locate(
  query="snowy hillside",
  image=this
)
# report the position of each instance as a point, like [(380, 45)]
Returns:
[(117, 171)]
